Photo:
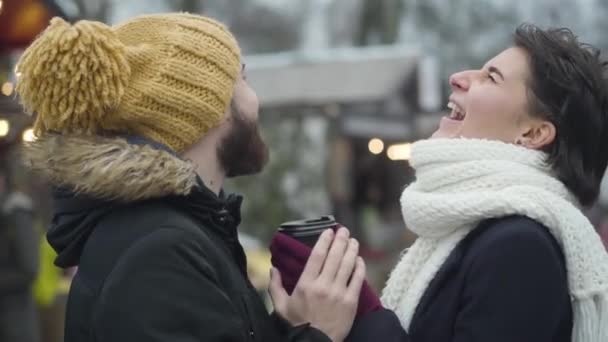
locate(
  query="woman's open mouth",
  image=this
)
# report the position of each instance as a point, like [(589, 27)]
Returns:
[(457, 113)]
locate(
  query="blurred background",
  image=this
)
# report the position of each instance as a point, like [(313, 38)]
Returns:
[(345, 87)]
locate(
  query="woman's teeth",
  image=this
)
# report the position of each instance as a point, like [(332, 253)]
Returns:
[(457, 113)]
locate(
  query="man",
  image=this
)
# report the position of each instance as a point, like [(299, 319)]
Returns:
[(138, 126), (18, 266)]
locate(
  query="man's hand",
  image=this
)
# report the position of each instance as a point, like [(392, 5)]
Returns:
[(324, 296)]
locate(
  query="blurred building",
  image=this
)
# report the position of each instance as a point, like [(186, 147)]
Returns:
[(20, 22), (363, 106)]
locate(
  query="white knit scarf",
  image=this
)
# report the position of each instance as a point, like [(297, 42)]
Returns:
[(461, 182)]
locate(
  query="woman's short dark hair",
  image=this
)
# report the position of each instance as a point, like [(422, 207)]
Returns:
[(568, 87)]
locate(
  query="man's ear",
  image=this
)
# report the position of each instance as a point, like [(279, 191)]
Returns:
[(228, 114)]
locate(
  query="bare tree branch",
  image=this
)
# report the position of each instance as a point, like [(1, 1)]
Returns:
[(82, 8), (104, 10), (192, 6), (56, 9), (85, 9)]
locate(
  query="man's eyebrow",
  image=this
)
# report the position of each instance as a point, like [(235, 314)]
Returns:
[(495, 70)]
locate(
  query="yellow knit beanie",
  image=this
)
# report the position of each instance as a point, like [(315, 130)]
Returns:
[(168, 77)]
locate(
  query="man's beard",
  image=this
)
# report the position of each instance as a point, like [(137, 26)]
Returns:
[(243, 151)]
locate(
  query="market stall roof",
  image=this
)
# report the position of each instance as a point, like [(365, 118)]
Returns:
[(343, 75)]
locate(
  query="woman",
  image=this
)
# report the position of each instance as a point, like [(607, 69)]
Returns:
[(504, 252)]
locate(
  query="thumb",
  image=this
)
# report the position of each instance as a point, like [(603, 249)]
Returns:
[(276, 290)]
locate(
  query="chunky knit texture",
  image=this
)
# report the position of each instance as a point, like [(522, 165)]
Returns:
[(463, 182), (166, 77)]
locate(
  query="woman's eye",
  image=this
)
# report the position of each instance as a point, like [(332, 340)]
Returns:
[(492, 78)]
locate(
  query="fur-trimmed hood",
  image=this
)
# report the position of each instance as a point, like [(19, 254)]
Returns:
[(95, 177), (110, 168)]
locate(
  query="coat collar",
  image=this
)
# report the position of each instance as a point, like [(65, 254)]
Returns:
[(123, 169)]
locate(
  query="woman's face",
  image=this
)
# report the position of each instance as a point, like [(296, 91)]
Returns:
[(491, 103)]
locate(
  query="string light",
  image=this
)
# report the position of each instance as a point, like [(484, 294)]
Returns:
[(376, 146), (400, 151), (29, 136), (7, 88), (5, 127)]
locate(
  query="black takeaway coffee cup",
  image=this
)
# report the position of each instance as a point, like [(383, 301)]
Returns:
[(308, 231)]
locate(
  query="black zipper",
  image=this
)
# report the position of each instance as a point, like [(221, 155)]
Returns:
[(250, 332)]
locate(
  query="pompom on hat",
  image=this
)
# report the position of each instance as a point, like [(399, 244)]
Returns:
[(166, 77)]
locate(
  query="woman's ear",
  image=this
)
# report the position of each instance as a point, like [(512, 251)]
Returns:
[(538, 134)]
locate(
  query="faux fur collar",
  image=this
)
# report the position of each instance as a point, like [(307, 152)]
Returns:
[(109, 168)]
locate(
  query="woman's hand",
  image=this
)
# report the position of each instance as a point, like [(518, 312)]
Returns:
[(324, 297)]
